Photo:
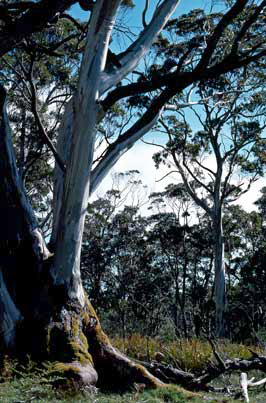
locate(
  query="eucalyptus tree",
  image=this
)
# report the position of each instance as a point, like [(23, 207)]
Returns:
[(236, 144), (49, 300)]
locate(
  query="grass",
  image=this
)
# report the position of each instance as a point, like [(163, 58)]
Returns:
[(29, 383), (36, 387), (190, 355), (33, 389)]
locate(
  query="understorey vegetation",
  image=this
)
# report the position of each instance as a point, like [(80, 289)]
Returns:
[(27, 380), (153, 274), (82, 278)]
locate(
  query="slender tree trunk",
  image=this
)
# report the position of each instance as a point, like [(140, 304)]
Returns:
[(220, 288), (176, 304), (184, 280)]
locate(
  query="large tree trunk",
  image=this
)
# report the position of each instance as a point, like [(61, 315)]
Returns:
[(21, 243), (44, 310), (38, 316)]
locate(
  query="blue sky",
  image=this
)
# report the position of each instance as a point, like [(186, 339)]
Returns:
[(134, 15)]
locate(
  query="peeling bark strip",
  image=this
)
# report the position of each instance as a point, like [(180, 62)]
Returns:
[(39, 245)]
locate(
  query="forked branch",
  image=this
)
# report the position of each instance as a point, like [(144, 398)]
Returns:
[(246, 383)]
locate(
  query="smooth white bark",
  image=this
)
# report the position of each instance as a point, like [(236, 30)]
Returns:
[(246, 383), (129, 61), (66, 266), (63, 148)]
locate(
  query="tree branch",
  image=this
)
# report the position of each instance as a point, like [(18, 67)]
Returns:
[(234, 11), (33, 20), (43, 133), (229, 63), (132, 56), (191, 192), (119, 147), (245, 383), (195, 178), (135, 88), (144, 13), (165, 176), (247, 24), (211, 172)]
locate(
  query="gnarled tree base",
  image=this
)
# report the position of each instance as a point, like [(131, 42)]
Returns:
[(71, 337), (82, 350)]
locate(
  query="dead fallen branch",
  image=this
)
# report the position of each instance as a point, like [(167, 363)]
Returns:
[(196, 382), (246, 383)]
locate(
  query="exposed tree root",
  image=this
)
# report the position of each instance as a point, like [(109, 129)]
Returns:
[(83, 351)]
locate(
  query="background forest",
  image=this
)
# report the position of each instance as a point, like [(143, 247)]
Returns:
[(154, 274)]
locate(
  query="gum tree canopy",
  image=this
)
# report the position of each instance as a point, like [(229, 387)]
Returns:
[(43, 307)]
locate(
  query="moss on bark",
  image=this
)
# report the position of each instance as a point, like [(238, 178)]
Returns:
[(79, 347)]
